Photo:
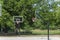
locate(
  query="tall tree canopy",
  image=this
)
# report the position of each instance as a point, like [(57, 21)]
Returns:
[(29, 9)]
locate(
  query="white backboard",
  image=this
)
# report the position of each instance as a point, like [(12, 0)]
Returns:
[(18, 19)]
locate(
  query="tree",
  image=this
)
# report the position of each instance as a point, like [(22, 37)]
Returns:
[(29, 9), (47, 12), (20, 8)]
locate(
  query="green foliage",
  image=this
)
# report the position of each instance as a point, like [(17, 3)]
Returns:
[(26, 8)]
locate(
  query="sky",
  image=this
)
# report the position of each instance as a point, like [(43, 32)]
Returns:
[(57, 0), (58, 4)]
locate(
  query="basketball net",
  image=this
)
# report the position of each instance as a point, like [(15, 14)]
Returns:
[(33, 19), (17, 22)]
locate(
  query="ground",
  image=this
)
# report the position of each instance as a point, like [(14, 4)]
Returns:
[(33, 37)]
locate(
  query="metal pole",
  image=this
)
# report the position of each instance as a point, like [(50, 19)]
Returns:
[(49, 3), (48, 29), (48, 22)]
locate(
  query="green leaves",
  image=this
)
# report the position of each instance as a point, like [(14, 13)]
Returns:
[(26, 8)]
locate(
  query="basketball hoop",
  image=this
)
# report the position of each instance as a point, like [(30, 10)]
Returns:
[(33, 19), (17, 21)]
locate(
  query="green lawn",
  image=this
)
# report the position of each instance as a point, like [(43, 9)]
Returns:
[(44, 32)]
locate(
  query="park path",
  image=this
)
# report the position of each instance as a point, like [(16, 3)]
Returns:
[(29, 38)]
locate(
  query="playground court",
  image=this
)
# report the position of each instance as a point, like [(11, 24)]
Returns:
[(29, 38)]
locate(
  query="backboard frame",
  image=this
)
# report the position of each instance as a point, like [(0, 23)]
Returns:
[(18, 16)]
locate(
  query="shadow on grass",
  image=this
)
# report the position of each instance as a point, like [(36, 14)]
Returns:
[(15, 34)]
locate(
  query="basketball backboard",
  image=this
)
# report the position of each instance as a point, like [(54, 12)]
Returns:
[(18, 19)]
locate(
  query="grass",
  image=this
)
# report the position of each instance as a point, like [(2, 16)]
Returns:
[(55, 32), (34, 32), (45, 32)]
